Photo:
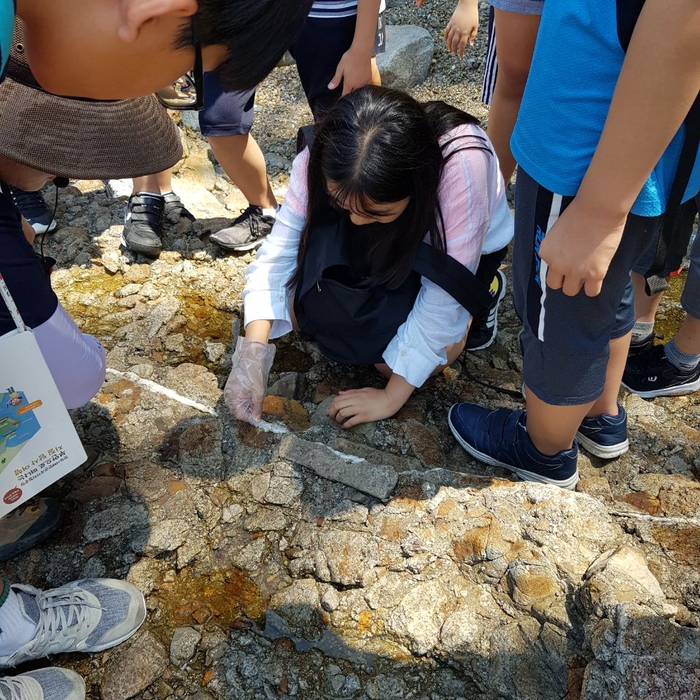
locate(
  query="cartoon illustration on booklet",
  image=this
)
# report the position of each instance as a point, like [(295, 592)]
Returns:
[(18, 424)]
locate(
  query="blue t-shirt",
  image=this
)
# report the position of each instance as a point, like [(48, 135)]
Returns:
[(7, 29), (575, 67)]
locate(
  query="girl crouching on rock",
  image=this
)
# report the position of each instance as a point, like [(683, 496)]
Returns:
[(388, 214)]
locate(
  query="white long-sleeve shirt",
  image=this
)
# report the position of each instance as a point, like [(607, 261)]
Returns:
[(477, 220)]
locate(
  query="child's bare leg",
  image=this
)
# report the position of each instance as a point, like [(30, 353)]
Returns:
[(645, 306), (376, 78), (293, 316), (158, 183), (553, 428), (607, 402), (687, 339), (243, 161), (515, 42)]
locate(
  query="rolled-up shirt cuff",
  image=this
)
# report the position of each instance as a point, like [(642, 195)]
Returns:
[(410, 364), (270, 305)]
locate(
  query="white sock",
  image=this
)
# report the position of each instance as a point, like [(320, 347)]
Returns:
[(153, 194), (16, 629), (269, 211)]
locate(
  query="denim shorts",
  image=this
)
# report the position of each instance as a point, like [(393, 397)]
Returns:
[(565, 339)]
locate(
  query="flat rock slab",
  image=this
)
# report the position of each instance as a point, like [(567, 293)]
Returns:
[(133, 668), (376, 480)]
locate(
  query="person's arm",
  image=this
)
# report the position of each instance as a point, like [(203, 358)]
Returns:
[(355, 67), (470, 182), (266, 293), (266, 302), (355, 406), (463, 26), (653, 95)]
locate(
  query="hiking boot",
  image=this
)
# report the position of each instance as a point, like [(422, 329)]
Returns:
[(27, 525), (143, 224), (499, 438), (44, 684), (33, 208), (174, 209), (651, 374), (484, 326), (246, 232), (88, 615), (605, 436)]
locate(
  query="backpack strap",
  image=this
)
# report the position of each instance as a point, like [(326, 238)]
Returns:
[(459, 282), (678, 220), (305, 137)]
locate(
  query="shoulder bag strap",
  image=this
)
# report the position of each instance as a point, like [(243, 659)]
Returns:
[(459, 282)]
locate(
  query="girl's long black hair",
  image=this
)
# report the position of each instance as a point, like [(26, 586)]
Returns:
[(378, 145)]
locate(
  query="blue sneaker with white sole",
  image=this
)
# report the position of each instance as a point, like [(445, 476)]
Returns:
[(605, 436), (499, 438)]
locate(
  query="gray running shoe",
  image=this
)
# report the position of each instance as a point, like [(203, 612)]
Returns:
[(33, 208), (87, 615), (143, 224), (44, 684), (245, 232)]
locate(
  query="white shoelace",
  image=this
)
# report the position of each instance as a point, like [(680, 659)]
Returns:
[(15, 687), (65, 617)]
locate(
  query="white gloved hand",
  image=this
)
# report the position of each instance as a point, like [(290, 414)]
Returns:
[(246, 386)]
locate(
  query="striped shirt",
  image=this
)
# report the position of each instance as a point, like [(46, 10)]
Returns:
[(332, 9)]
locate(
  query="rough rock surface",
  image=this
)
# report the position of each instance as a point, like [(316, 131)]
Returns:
[(266, 579), (406, 61)]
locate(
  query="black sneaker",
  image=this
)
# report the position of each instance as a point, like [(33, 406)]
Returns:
[(642, 347), (246, 232), (484, 326), (33, 208), (652, 374), (143, 224), (174, 209)]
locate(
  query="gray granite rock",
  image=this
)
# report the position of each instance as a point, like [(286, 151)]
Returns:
[(183, 645), (376, 480), (406, 61)]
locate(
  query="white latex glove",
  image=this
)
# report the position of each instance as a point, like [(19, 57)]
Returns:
[(246, 386)]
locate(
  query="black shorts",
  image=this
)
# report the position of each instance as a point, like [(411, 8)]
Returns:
[(565, 340), (317, 50), (21, 268)]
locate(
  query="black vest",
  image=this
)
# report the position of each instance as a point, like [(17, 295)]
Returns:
[(353, 320)]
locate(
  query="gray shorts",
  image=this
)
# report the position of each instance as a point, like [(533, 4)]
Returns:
[(565, 339), (690, 299), (522, 7)]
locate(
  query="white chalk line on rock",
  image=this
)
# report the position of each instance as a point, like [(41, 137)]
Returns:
[(174, 396), (662, 520)]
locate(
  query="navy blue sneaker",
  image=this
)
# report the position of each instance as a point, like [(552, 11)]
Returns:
[(605, 436), (499, 438), (26, 526)]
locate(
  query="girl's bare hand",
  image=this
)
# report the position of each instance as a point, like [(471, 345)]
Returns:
[(357, 406)]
